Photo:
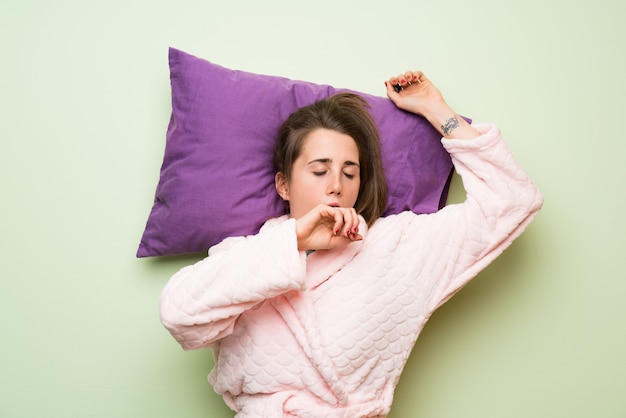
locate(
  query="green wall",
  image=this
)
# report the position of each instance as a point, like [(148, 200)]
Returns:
[(84, 105)]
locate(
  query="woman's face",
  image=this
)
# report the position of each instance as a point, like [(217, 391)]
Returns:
[(326, 172)]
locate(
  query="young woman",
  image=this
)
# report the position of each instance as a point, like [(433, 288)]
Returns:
[(315, 316)]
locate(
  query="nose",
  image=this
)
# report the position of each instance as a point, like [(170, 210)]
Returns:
[(334, 184)]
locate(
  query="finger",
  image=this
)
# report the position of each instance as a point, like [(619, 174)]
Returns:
[(403, 79), (356, 237), (356, 221), (352, 223), (392, 93), (339, 225), (408, 77), (346, 222), (419, 77), (395, 84)]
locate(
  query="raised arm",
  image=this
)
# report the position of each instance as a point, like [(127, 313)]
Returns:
[(501, 199)]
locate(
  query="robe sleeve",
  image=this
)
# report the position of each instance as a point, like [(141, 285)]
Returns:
[(200, 303), (462, 239)]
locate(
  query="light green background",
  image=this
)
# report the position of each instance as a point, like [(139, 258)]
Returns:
[(84, 105)]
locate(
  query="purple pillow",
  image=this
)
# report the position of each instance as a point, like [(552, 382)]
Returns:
[(217, 178)]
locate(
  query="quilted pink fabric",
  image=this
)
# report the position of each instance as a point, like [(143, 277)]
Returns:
[(329, 334)]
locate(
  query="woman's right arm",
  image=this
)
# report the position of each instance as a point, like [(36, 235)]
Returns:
[(200, 303)]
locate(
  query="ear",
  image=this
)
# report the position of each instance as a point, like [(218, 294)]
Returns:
[(281, 186)]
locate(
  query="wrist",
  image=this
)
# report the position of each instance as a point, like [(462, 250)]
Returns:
[(438, 113), (448, 123)]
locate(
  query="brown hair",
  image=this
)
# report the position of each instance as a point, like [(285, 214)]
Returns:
[(345, 113)]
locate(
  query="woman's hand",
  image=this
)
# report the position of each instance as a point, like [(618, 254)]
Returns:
[(417, 94), (326, 227)]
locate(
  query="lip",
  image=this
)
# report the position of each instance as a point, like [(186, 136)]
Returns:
[(333, 205)]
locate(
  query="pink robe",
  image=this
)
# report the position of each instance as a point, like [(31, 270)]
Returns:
[(328, 334)]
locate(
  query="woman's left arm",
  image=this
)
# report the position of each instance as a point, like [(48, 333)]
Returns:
[(501, 198)]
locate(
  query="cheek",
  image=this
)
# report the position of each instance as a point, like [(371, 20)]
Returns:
[(354, 190)]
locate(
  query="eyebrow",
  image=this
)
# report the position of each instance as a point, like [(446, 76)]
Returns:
[(328, 160)]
